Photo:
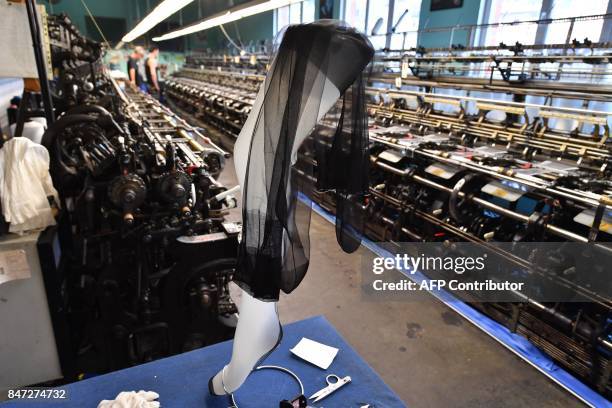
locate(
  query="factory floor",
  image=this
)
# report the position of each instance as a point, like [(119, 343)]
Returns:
[(429, 355)]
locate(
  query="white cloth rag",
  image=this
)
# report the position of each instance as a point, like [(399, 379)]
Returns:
[(25, 184), (132, 399)]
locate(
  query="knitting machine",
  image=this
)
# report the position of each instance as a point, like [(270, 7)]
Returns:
[(437, 181), (481, 146), (219, 101), (256, 61), (148, 251), (76, 62), (453, 164)]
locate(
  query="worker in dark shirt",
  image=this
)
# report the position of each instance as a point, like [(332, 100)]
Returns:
[(152, 72), (133, 71)]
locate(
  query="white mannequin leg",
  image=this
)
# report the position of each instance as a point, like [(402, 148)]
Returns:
[(257, 333), (258, 329)]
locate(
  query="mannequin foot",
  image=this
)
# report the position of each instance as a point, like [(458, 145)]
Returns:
[(232, 376), (214, 382)]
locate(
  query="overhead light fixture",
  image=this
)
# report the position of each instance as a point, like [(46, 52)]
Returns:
[(233, 14), (163, 10)]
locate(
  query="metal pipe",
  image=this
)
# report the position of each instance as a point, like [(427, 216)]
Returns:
[(403, 92), (484, 203), (592, 202), (40, 60)]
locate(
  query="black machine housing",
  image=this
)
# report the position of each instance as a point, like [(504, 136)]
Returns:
[(147, 252)]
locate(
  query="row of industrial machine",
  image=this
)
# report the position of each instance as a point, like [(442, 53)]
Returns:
[(145, 251), (483, 145)]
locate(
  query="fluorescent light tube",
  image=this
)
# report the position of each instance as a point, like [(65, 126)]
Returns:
[(163, 10), (233, 14)]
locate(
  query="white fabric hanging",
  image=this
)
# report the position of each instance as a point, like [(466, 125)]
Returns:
[(25, 184)]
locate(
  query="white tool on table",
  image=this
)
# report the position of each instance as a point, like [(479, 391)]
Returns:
[(333, 383)]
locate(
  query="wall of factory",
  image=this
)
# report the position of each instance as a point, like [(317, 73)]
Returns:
[(252, 30), (120, 9), (465, 15), (260, 28)]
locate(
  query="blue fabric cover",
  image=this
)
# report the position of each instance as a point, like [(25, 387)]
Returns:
[(182, 380)]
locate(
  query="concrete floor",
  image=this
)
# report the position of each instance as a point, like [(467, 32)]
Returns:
[(429, 355)]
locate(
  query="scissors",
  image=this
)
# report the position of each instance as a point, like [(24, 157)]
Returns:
[(333, 383)]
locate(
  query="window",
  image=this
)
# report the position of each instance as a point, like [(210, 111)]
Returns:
[(364, 14), (378, 10), (556, 33), (282, 18), (296, 13), (308, 11), (408, 25), (355, 13), (504, 11)]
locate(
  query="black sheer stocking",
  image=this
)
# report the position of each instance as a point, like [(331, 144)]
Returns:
[(274, 251)]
